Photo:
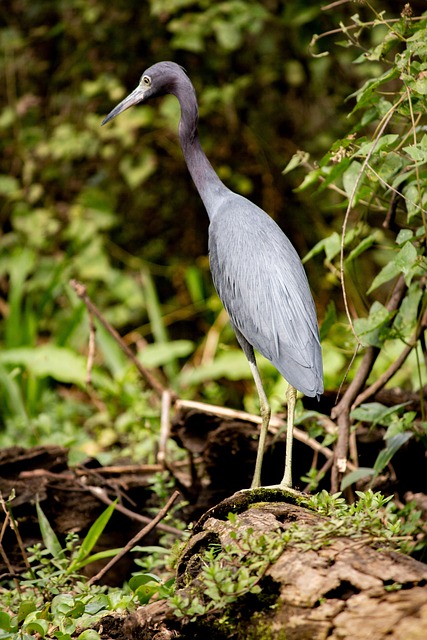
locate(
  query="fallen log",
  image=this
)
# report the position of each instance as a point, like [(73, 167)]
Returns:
[(301, 588)]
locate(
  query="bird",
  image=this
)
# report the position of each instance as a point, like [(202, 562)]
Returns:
[(255, 269)]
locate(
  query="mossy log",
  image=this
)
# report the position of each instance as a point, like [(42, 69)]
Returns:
[(343, 590)]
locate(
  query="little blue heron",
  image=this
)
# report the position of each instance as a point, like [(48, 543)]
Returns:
[(255, 269)]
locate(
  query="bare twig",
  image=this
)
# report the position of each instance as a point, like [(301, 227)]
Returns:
[(127, 468), (5, 525), (341, 412), (91, 348), (81, 291), (101, 494), (165, 427), (275, 425), (141, 534), (320, 474)]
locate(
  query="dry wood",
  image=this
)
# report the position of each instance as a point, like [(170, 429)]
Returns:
[(344, 591)]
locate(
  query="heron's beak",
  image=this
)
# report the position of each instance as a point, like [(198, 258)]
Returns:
[(135, 97)]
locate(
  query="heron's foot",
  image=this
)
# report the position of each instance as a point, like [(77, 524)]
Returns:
[(272, 487), (283, 487)]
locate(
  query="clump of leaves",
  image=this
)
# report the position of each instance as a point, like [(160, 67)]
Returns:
[(53, 599), (377, 175), (229, 572), (373, 518)]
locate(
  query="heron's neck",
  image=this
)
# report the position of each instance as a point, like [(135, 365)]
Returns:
[(203, 174)]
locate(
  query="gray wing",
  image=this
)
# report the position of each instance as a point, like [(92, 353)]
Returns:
[(263, 286)]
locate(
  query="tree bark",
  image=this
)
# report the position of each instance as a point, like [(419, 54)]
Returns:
[(346, 590)]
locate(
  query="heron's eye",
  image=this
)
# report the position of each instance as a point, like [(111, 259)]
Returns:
[(146, 80)]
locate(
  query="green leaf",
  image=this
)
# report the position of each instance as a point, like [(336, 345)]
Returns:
[(377, 413), (367, 94), (19, 265), (39, 626), (5, 621), (100, 601), (373, 330), (403, 262), (416, 153), (159, 354), (89, 634), (145, 592), (404, 235), (355, 476), (407, 316), (142, 578), (59, 363), (25, 608), (195, 284), (299, 158), (155, 315), (351, 178), (329, 320), (393, 445), (50, 540), (330, 245), (8, 185), (231, 365), (92, 537), (62, 604), (373, 412), (137, 173), (12, 396), (363, 245), (100, 555), (378, 144), (113, 356)]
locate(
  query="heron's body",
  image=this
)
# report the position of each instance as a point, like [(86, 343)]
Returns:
[(256, 270), (262, 284)]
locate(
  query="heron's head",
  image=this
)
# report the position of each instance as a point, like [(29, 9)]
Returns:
[(161, 78)]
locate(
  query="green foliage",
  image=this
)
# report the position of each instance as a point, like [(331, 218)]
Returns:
[(379, 166), (230, 572), (54, 600), (146, 586), (237, 568), (400, 427), (119, 213), (373, 518)]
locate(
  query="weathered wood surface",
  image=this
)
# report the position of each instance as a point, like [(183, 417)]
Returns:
[(342, 591)]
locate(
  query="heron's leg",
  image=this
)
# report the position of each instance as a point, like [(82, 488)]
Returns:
[(263, 405), (265, 416), (291, 396)]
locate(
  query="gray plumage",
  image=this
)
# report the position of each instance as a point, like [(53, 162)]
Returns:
[(255, 269)]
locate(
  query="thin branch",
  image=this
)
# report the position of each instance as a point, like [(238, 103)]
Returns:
[(81, 291), (165, 427), (129, 468), (101, 494), (275, 425), (341, 412), (3, 554), (91, 348), (141, 534), (320, 474)]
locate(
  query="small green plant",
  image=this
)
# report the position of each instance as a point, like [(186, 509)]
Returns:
[(230, 572), (373, 519), (53, 600), (400, 426)]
